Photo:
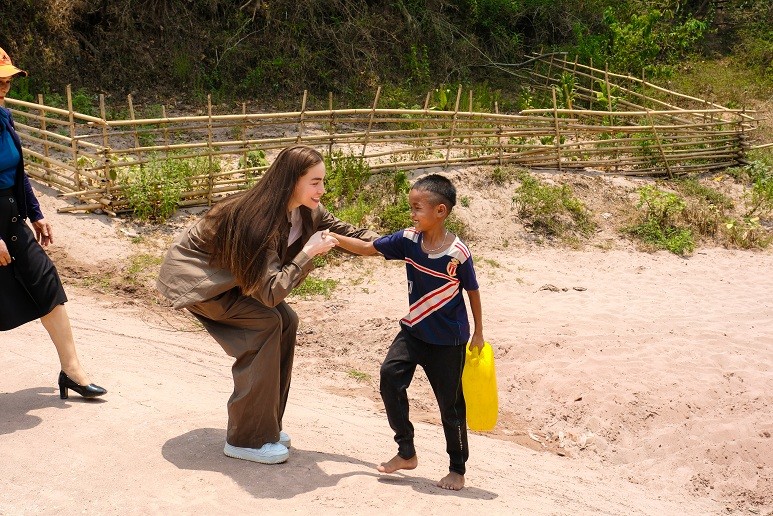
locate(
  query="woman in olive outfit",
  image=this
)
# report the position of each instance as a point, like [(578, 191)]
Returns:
[(29, 284), (233, 270)]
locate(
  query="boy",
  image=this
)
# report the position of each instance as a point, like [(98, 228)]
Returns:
[(436, 329)]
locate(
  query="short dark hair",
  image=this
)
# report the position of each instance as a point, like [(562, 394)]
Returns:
[(441, 189)]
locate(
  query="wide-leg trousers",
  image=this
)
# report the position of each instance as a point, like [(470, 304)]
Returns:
[(261, 339), (443, 366)]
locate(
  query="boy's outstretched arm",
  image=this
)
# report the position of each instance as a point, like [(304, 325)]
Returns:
[(477, 316), (356, 246)]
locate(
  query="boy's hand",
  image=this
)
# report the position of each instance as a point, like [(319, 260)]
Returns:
[(477, 342)]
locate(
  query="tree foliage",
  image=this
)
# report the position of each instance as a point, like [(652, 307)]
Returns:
[(264, 49)]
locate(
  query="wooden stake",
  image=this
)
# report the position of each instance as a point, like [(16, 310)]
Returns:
[(332, 128), (558, 132), (243, 135), (73, 140), (134, 125), (592, 94), (660, 146), (45, 137), (210, 182), (108, 172), (166, 130), (499, 133), (370, 121), (453, 126), (300, 118)]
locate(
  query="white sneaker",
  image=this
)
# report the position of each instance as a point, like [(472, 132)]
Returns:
[(269, 453), (284, 439)]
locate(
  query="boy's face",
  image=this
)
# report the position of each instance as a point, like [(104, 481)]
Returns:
[(425, 214)]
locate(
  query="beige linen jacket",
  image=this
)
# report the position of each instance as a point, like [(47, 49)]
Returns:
[(187, 278)]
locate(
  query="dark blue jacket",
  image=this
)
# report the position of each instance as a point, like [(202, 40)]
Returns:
[(29, 207)]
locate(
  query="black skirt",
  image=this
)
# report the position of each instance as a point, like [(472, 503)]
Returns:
[(30, 286)]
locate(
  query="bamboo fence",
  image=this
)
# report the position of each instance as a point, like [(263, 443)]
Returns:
[(596, 121)]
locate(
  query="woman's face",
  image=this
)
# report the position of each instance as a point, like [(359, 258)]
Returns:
[(5, 85), (309, 188)]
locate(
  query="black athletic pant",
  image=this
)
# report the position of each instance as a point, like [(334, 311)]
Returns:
[(443, 366)]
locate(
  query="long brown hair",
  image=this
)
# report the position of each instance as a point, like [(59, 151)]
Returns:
[(248, 224)]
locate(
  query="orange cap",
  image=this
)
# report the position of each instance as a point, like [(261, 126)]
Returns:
[(7, 69)]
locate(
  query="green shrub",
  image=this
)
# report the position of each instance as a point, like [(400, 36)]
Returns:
[(659, 226), (553, 210), (154, 189)]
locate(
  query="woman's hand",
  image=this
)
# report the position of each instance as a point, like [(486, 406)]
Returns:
[(43, 232), (5, 256), (320, 243)]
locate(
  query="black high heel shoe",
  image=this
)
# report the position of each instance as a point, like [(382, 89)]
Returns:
[(87, 391)]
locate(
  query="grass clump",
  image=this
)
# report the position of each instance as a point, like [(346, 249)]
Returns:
[(660, 222), (315, 287), (360, 376), (551, 210)]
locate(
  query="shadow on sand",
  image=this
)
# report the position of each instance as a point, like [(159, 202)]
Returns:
[(15, 407), (202, 450)]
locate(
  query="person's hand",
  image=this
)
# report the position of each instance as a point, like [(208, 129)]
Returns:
[(43, 232), (320, 243), (477, 342), (5, 256)]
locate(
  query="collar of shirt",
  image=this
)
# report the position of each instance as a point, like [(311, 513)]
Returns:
[(296, 225)]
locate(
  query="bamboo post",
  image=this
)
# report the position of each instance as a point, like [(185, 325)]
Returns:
[(418, 141), (558, 132), (300, 117), (370, 121), (469, 139), (453, 126), (499, 132), (550, 70), (332, 130), (46, 164), (166, 131), (210, 179), (592, 79), (608, 93), (73, 140), (243, 135), (609, 108), (660, 146), (134, 127), (105, 145)]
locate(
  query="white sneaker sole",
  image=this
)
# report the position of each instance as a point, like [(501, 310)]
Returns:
[(254, 455)]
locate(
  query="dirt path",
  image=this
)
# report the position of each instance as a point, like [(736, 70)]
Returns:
[(154, 445)]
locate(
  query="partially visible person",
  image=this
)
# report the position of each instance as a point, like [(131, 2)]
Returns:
[(30, 287), (233, 270), (436, 330)]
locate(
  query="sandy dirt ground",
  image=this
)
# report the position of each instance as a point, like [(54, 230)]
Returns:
[(629, 383)]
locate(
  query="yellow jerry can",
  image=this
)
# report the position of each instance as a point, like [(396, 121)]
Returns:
[(479, 385)]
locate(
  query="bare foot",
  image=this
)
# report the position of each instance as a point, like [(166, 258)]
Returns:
[(453, 481), (398, 462)]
